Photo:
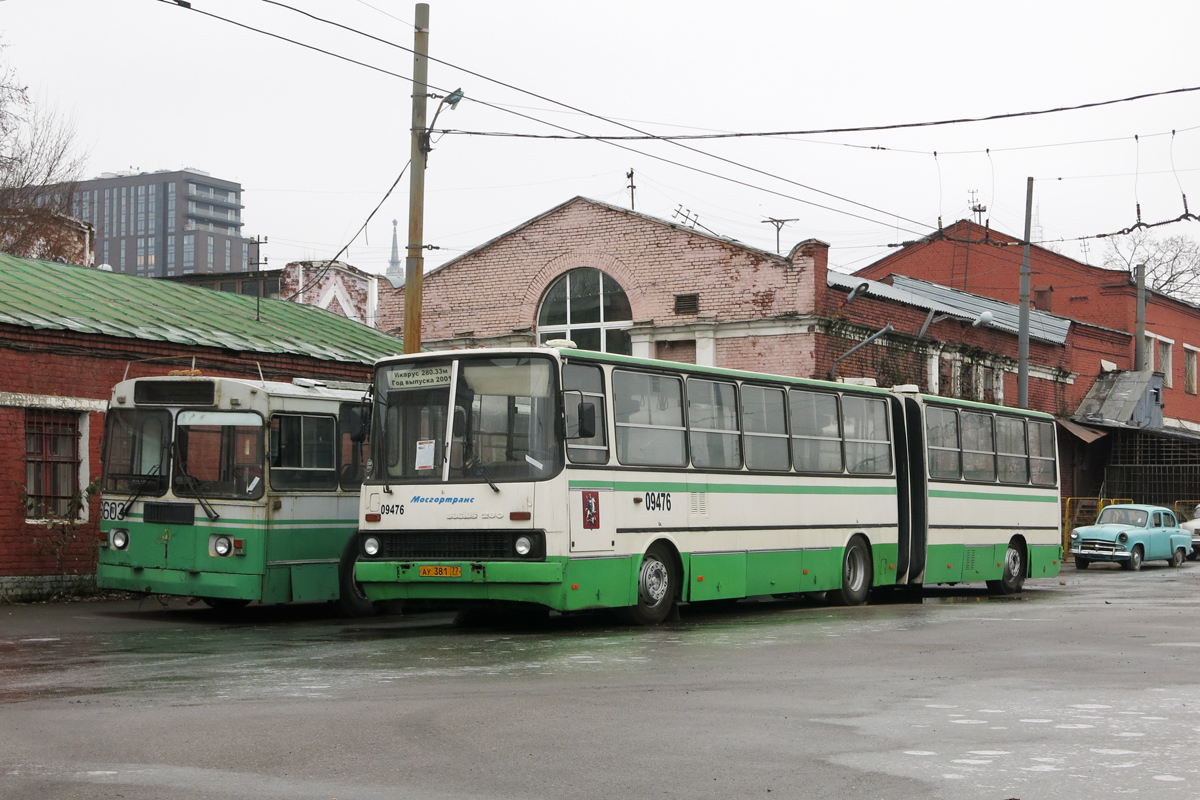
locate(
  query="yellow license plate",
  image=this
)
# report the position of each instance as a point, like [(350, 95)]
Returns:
[(439, 572)]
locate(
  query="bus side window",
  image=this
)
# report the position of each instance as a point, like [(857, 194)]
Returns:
[(649, 419), (868, 446), (713, 424), (1012, 452), (978, 446), (303, 452), (816, 433), (764, 423), (589, 382), (941, 433), (353, 455), (1041, 453)]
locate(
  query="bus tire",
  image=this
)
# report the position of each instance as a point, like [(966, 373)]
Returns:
[(657, 587), (351, 597), (857, 574), (1015, 567)]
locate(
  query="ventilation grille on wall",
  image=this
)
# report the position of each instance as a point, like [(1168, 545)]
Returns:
[(687, 303)]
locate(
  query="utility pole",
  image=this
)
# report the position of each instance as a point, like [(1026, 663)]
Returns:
[(1023, 328), (778, 223), (414, 263), (631, 187)]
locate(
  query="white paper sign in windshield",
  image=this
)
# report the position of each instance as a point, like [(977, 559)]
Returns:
[(425, 454), (419, 378)]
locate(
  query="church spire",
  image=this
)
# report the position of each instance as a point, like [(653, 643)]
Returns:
[(395, 271)]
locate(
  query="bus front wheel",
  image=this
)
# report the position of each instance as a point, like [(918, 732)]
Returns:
[(351, 597), (857, 574), (657, 587)]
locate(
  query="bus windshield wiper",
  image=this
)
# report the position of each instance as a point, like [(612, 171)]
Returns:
[(153, 473), (191, 481), (475, 463)]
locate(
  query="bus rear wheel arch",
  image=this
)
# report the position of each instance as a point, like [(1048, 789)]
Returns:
[(857, 573), (1015, 566), (658, 583)]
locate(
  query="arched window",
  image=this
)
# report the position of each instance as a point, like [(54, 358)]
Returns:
[(588, 307)]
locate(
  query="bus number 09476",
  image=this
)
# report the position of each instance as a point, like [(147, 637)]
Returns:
[(658, 501)]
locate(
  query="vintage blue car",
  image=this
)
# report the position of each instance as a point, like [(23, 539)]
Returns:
[(1129, 535)]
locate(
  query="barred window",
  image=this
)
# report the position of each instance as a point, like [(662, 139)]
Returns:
[(51, 461)]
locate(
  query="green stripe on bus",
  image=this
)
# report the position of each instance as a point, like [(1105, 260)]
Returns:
[(1016, 498), (730, 488)]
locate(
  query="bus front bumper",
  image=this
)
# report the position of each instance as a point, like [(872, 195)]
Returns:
[(153, 580)]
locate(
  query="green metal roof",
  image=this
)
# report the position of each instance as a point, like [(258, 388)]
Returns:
[(41, 294)]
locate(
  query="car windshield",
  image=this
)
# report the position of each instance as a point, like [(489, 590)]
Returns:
[(1113, 515)]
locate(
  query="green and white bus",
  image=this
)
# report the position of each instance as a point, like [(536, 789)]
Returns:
[(233, 490), (577, 480)]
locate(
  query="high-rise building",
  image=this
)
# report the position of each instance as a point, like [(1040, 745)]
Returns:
[(164, 224)]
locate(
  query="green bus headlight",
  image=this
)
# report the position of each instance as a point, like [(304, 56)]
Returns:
[(222, 546), (120, 538)]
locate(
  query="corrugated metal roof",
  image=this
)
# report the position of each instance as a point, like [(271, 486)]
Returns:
[(959, 304), (40, 294)]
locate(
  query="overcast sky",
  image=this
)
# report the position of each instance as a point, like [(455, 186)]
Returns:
[(316, 142)]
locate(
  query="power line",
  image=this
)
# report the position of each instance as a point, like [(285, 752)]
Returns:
[(858, 129)]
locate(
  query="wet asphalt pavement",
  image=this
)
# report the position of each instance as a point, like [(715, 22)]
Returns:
[(1085, 686)]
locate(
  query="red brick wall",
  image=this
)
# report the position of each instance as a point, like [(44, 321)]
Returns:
[(74, 365)]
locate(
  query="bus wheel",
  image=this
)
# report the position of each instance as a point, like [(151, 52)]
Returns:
[(224, 604), (658, 584), (351, 597), (856, 574), (1014, 571)]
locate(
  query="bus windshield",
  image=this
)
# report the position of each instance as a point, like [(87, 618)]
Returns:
[(218, 454), (136, 451), (500, 425)]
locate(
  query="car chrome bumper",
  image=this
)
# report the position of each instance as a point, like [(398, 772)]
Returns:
[(1095, 554)]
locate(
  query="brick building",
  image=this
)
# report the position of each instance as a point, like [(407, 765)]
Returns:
[(1153, 457), (68, 334)]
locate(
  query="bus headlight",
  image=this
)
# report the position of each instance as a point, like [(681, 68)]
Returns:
[(222, 545), (523, 545), (371, 546), (120, 538)]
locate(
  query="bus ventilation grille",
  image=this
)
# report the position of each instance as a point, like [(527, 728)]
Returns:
[(447, 545), (169, 514)]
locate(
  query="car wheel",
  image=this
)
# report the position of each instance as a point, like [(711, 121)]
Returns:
[(1135, 559), (1082, 563), (1178, 557), (1014, 571), (657, 586)]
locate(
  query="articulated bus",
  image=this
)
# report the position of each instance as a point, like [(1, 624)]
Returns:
[(233, 490), (580, 480)]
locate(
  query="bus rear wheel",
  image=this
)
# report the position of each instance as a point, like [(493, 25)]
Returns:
[(351, 597), (1015, 568), (857, 574), (657, 587)]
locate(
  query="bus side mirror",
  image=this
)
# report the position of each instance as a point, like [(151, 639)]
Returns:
[(356, 421), (460, 422), (581, 416)]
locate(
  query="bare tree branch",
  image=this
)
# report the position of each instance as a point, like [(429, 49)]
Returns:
[(1172, 263)]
